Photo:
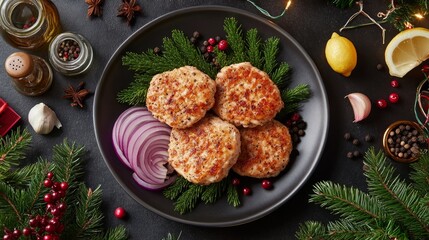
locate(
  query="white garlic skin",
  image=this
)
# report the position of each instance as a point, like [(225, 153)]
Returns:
[(43, 119)]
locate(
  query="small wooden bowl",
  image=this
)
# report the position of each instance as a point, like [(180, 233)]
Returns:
[(386, 137)]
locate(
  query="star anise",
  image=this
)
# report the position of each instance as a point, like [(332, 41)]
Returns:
[(128, 9), (76, 95), (94, 7)]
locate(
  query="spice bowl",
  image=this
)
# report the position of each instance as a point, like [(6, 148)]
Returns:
[(403, 140), (70, 53)]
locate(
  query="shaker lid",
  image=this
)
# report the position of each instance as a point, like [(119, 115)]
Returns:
[(19, 65)]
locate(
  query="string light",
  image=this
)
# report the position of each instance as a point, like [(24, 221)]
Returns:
[(418, 15), (266, 13)]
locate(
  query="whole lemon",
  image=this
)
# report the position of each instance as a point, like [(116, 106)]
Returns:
[(341, 54)]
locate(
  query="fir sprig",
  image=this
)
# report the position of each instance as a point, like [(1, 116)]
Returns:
[(22, 191), (392, 209), (12, 150), (187, 195)]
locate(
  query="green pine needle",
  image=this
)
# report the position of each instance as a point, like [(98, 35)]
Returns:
[(188, 199), (271, 48), (12, 150), (343, 3), (392, 209), (173, 191), (293, 99), (234, 34), (254, 48), (349, 203)]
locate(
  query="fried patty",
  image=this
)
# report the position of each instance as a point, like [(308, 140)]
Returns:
[(181, 97), (265, 150), (205, 152), (246, 96)]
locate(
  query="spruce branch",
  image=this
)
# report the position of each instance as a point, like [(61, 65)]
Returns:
[(254, 48), (188, 199), (232, 196), (173, 191), (281, 75), (234, 34), (293, 99), (402, 201), (349, 203), (271, 48), (312, 230), (12, 150), (213, 192), (136, 92), (420, 175)]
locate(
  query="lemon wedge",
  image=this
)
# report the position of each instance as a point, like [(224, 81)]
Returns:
[(341, 54), (407, 50)]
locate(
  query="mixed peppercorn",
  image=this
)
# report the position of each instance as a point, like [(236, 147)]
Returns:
[(404, 141), (68, 50)]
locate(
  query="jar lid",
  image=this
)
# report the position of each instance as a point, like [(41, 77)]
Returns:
[(19, 65)]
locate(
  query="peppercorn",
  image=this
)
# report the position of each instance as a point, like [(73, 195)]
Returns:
[(347, 136), (349, 155), (380, 67), (356, 142), (196, 34), (368, 138), (356, 154), (156, 50), (403, 141), (68, 50)]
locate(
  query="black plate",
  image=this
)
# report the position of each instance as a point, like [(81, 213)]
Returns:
[(209, 21)]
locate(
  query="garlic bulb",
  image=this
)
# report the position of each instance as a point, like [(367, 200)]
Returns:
[(43, 119)]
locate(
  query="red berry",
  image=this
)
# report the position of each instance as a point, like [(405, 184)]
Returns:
[(48, 183), (47, 237), (64, 186), (247, 191), (55, 196), (48, 198), (120, 212), (381, 103), (56, 186), (267, 184), (62, 207), (235, 181), (295, 117), (393, 97), (33, 222), (210, 49), (26, 231), (50, 228), (50, 175), (425, 69), (60, 228), (211, 41), (7, 237), (394, 83), (223, 45), (16, 233)]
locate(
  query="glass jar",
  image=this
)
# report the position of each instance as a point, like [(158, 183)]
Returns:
[(29, 24), (70, 54), (31, 74)]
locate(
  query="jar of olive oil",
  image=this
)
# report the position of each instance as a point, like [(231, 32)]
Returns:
[(29, 24)]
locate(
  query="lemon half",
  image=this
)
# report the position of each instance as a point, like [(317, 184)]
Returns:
[(341, 54), (407, 50)]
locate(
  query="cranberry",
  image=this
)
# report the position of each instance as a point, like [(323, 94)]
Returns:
[(56, 186), (26, 231), (47, 237), (48, 198), (55, 196), (50, 228), (247, 191), (62, 207), (210, 48), (393, 97), (267, 184), (50, 175), (211, 41), (295, 117), (223, 45), (236, 181), (120, 212), (64, 186), (48, 183), (394, 83), (381, 103), (16, 233), (425, 69), (8, 237)]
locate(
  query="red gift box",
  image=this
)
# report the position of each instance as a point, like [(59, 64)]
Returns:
[(8, 118)]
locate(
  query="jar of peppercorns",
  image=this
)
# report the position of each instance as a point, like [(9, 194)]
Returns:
[(70, 53), (404, 140), (29, 24)]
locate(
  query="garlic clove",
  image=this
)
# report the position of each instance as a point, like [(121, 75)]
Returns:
[(361, 105), (43, 119)]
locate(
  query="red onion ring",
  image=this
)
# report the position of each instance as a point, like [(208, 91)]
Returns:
[(141, 143)]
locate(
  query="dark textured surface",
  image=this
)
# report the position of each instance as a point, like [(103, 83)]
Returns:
[(311, 23)]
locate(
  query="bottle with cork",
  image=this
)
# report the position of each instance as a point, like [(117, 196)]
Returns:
[(31, 75)]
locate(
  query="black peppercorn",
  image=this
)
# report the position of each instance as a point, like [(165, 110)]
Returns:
[(347, 136), (349, 155), (368, 138), (356, 154), (196, 34), (356, 141), (156, 50), (380, 67)]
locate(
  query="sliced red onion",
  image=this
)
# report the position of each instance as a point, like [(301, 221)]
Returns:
[(141, 142)]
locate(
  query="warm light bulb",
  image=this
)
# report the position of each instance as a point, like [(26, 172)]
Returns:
[(418, 15), (288, 4)]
